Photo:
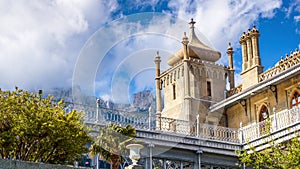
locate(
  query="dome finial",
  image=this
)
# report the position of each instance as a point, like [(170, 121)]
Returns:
[(192, 23)]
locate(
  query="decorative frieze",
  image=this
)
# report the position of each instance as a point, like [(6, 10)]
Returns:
[(284, 64)]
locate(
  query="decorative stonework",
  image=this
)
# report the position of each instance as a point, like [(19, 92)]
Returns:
[(234, 91), (284, 64)]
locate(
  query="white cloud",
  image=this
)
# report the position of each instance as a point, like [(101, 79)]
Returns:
[(223, 21), (293, 10), (297, 18), (39, 40)]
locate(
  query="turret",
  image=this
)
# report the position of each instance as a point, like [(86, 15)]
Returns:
[(230, 64), (251, 59), (157, 61)]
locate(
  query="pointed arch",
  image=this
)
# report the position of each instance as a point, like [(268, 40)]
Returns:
[(263, 112), (295, 99)]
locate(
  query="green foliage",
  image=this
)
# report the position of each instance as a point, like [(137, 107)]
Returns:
[(284, 155), (34, 128), (111, 143)]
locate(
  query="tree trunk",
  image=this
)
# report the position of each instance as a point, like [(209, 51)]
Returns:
[(115, 162)]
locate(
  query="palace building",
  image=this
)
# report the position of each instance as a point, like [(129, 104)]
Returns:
[(202, 124), (194, 89)]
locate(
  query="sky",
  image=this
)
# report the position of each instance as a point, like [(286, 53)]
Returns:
[(107, 47)]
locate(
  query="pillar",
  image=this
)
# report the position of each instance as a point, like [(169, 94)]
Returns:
[(244, 52), (255, 45), (230, 63), (249, 49), (157, 61), (187, 98)]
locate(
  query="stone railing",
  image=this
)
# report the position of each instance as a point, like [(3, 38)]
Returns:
[(168, 125), (276, 122), (219, 133), (119, 117), (201, 130), (176, 126), (282, 65), (234, 91)]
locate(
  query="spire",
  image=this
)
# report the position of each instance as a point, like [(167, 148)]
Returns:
[(229, 47), (185, 40), (157, 58), (230, 62), (192, 23)]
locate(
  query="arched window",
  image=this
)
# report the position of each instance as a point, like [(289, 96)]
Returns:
[(263, 113), (295, 101)]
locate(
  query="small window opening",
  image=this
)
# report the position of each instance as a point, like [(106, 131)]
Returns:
[(208, 88), (174, 92)]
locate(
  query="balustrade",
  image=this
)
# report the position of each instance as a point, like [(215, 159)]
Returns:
[(277, 121), (282, 65)]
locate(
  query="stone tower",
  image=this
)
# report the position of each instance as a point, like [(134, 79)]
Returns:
[(192, 83), (251, 67)]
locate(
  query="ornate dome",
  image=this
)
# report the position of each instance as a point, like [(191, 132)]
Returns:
[(196, 49)]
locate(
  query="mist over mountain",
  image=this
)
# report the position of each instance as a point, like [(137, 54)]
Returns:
[(141, 101)]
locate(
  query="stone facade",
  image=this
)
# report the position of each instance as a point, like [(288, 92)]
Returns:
[(193, 76), (280, 84)]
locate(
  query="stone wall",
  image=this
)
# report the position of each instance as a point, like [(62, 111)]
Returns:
[(15, 164), (285, 90)]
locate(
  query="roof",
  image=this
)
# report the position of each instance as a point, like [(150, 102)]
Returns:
[(196, 49)]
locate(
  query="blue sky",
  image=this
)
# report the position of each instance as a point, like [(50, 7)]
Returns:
[(109, 46)]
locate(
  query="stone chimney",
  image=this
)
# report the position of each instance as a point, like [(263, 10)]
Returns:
[(251, 67)]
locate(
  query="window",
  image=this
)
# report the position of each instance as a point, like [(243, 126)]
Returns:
[(295, 101), (263, 114), (208, 88), (174, 92)]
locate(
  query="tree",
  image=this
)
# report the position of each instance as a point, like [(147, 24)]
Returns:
[(280, 156), (111, 141), (34, 128)]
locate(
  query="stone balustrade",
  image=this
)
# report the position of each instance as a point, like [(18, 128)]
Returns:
[(141, 121), (290, 60), (279, 121), (234, 91)]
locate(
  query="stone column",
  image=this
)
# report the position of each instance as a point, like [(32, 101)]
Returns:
[(244, 52), (255, 45), (249, 49), (157, 61), (231, 70), (187, 94)]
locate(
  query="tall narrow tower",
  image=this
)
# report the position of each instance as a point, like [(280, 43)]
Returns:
[(251, 58), (193, 81), (157, 61), (231, 69)]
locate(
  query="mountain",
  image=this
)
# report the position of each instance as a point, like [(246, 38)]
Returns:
[(141, 101)]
